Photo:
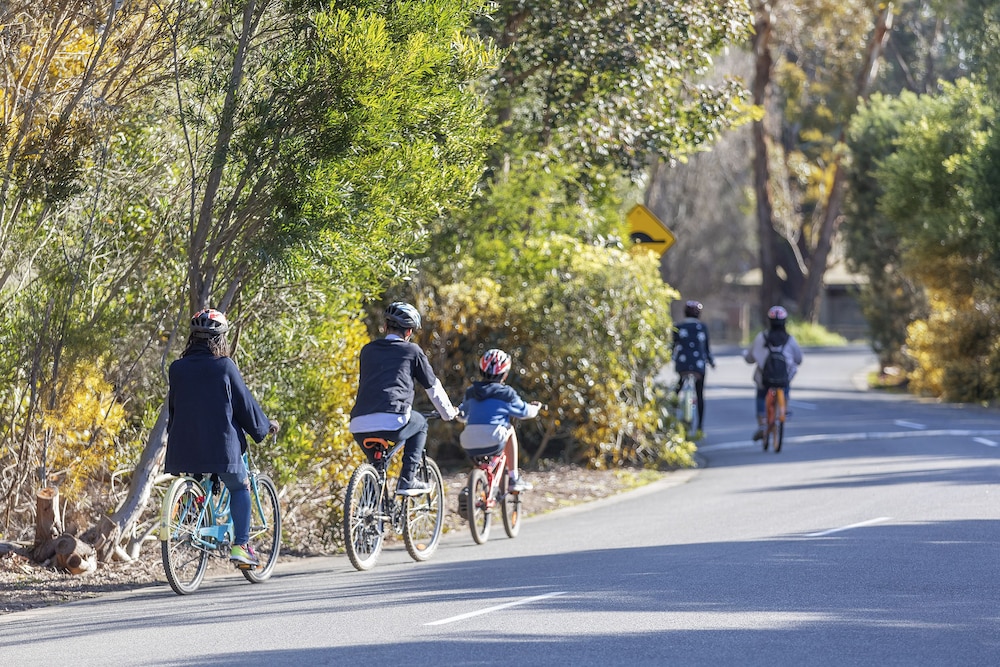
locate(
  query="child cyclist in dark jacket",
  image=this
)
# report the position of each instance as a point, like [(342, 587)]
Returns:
[(488, 407)]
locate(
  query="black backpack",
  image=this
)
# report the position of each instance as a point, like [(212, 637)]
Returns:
[(774, 372)]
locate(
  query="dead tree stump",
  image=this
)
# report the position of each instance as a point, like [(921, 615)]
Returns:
[(75, 556), (48, 523)]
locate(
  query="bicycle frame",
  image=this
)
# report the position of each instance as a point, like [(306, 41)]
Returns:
[(775, 403), (383, 453), (775, 410), (216, 532), (494, 466), (687, 400)]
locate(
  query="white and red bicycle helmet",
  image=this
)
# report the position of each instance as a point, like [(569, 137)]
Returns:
[(209, 322), (495, 363)]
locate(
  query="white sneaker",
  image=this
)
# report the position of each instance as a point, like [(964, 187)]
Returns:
[(518, 484)]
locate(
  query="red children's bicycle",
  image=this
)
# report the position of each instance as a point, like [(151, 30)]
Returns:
[(488, 489)]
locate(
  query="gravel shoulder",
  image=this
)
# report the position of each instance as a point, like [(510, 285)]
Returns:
[(25, 585)]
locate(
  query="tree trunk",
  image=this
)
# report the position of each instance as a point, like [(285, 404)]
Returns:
[(48, 524), (810, 299), (140, 489), (770, 289)]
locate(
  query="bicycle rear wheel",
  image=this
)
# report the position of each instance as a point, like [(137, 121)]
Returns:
[(779, 400), (363, 521), (425, 514), (773, 436), (265, 530), (184, 516), (480, 513), (769, 412), (689, 405), (779, 436), (511, 507)]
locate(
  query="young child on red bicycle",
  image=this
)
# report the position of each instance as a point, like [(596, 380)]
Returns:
[(488, 407)]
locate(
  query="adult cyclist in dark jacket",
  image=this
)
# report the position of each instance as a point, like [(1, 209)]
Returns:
[(692, 352), (210, 411), (390, 368)]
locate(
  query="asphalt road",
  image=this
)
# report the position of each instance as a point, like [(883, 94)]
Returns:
[(871, 539)]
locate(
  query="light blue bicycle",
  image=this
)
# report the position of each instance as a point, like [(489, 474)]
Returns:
[(195, 523)]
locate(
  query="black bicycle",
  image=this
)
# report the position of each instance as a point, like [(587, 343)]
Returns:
[(371, 507)]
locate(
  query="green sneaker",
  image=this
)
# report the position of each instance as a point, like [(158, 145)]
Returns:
[(243, 555)]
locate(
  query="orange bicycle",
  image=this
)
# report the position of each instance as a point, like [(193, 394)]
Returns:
[(775, 409)]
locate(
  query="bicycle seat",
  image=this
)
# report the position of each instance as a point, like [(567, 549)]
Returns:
[(377, 446), (484, 453)]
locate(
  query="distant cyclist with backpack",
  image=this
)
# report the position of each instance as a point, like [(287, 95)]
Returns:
[(777, 355)]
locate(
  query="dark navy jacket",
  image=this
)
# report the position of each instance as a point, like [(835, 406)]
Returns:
[(691, 347), (388, 367), (209, 407)]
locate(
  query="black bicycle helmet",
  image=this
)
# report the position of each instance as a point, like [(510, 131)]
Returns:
[(402, 315), (209, 322), (692, 309)]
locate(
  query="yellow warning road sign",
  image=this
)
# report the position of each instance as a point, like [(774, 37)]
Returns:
[(647, 231)]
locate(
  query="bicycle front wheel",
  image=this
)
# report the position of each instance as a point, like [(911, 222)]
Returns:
[(184, 516), (425, 514), (363, 521), (265, 530), (480, 512), (511, 507)]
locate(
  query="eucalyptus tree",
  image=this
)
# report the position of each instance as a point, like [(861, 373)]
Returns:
[(72, 75), (813, 61)]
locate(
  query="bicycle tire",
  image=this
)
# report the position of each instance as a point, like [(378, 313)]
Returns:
[(425, 514), (689, 405), (511, 508), (769, 416), (480, 513), (364, 531), (265, 530), (779, 436), (184, 516), (772, 436)]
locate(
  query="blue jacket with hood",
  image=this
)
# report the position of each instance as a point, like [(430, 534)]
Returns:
[(488, 408)]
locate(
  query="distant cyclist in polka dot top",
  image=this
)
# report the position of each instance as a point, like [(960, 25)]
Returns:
[(692, 352)]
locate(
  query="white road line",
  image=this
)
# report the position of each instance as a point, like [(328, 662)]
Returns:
[(906, 424), (853, 437), (471, 614), (870, 522), (984, 441)]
